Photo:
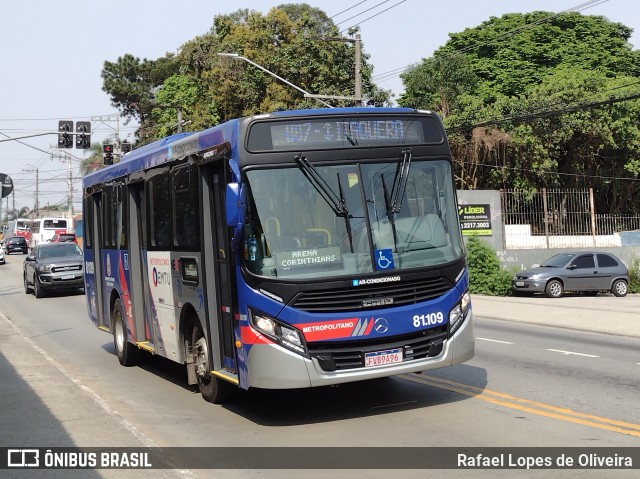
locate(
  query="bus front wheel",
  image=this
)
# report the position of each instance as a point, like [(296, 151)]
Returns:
[(127, 352), (213, 389)]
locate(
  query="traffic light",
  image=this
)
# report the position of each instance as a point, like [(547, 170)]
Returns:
[(107, 154), (83, 135), (64, 137), (126, 147)]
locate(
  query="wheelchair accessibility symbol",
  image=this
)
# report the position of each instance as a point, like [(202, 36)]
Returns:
[(384, 259)]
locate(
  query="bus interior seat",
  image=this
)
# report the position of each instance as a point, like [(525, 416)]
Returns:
[(420, 232)]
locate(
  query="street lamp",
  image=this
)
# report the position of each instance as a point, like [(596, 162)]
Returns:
[(306, 93)]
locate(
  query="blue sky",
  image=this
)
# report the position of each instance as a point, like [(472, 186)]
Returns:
[(53, 54)]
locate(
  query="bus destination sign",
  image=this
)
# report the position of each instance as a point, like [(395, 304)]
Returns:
[(342, 133)]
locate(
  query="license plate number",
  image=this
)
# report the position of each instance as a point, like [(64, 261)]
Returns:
[(519, 283), (380, 358), (67, 276)]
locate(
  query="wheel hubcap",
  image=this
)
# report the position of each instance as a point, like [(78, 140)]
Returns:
[(621, 287), (201, 357)]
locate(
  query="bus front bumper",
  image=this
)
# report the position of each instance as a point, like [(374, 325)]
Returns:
[(271, 366)]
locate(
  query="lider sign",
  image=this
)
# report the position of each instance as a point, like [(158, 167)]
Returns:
[(475, 220)]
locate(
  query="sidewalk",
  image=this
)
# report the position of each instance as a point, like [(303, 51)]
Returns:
[(604, 313), (41, 405)]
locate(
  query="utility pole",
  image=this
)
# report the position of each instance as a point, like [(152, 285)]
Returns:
[(35, 213), (357, 42), (70, 197)]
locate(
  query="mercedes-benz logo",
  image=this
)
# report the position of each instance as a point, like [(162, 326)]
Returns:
[(381, 326)]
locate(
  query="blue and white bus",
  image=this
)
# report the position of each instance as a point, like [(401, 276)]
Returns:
[(286, 250)]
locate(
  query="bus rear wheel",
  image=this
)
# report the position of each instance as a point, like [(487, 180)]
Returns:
[(212, 388), (127, 353)]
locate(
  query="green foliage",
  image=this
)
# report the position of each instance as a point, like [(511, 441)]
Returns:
[(293, 41), (634, 276), (535, 73), (485, 274), (92, 162)]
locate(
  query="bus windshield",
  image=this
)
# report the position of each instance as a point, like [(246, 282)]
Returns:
[(351, 219)]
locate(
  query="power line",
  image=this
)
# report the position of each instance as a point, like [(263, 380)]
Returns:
[(559, 173), (523, 118), (352, 6), (373, 16), (364, 11)]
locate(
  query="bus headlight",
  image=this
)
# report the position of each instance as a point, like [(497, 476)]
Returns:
[(459, 312), (283, 334)]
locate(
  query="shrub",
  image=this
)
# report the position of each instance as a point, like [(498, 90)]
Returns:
[(485, 274), (634, 276)]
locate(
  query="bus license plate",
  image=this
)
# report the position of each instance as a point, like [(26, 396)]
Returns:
[(67, 276), (380, 358)]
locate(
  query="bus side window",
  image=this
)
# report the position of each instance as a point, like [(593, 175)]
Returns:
[(159, 211)]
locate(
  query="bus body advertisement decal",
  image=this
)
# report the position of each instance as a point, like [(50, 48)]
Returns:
[(159, 268)]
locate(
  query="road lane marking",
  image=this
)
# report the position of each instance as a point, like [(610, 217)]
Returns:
[(527, 405), (494, 341), (571, 352)]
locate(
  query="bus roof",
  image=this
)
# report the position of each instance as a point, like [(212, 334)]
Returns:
[(180, 145)]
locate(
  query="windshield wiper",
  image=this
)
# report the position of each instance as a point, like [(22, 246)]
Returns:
[(400, 181), (337, 203), (390, 213)]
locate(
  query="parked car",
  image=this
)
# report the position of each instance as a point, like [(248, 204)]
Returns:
[(583, 271), (55, 266), (16, 244), (64, 238), (2, 258)]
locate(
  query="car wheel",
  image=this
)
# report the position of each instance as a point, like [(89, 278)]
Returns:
[(554, 289), (619, 288), (128, 354), (27, 288), (37, 289)]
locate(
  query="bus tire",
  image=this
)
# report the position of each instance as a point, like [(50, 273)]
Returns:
[(212, 388), (127, 353)]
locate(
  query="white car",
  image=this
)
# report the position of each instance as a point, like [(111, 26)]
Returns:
[(2, 260)]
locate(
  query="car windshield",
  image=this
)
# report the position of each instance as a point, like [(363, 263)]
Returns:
[(321, 221), (557, 261), (59, 251)]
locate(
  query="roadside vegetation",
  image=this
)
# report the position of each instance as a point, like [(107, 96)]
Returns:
[(486, 276), (634, 275)]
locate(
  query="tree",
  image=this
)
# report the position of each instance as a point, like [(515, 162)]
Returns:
[(528, 119), (92, 162), (132, 83), (437, 83), (289, 41)]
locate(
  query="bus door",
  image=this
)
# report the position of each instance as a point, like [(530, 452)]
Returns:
[(95, 203), (137, 266), (217, 259)]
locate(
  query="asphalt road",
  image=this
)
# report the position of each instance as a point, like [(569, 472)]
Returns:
[(528, 386)]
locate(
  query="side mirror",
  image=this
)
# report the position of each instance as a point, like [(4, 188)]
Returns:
[(235, 209), (30, 258), (572, 266)]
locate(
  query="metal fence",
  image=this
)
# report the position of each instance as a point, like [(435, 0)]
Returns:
[(559, 218)]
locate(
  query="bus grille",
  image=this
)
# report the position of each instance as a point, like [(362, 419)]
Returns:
[(337, 356), (381, 296)]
